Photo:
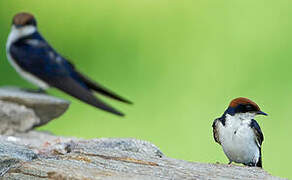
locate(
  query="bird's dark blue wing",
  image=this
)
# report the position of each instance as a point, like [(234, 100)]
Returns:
[(259, 139), (258, 132), (215, 130)]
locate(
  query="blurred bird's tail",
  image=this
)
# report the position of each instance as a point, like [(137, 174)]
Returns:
[(72, 87), (102, 90)]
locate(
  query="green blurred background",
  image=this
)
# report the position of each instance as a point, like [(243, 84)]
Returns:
[(181, 62)]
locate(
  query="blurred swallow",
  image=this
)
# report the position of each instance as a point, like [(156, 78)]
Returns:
[(36, 61), (239, 134)]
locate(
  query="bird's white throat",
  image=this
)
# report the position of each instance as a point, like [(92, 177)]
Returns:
[(17, 33), (241, 116), (238, 121)]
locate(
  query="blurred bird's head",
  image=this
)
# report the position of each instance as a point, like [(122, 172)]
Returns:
[(23, 24), (244, 106), (23, 19)]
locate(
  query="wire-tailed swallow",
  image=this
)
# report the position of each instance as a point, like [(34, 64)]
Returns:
[(239, 134), (36, 61)]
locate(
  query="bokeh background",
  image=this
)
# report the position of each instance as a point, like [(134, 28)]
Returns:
[(181, 62)]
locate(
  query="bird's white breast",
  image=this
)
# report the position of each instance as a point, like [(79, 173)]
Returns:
[(238, 139)]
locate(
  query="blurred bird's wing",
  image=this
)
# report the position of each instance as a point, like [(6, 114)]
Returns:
[(42, 61)]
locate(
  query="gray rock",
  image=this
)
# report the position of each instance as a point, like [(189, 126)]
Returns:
[(14, 117), (110, 159), (21, 111)]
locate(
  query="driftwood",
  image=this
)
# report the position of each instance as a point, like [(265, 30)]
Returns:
[(40, 156)]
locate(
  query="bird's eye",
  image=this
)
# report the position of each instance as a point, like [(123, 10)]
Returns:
[(249, 107), (31, 22)]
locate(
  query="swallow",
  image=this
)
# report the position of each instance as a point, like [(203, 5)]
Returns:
[(239, 134), (36, 61)]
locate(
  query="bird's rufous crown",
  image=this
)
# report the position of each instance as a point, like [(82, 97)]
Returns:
[(23, 18), (241, 100)]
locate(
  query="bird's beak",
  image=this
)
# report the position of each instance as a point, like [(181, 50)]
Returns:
[(261, 113)]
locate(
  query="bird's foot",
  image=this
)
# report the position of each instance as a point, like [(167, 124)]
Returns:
[(230, 163)]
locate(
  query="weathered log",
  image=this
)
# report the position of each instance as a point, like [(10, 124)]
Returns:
[(39, 156)]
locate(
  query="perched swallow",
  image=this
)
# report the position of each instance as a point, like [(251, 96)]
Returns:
[(239, 134), (36, 61)]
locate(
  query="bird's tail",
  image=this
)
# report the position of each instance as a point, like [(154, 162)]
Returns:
[(98, 88), (71, 87)]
